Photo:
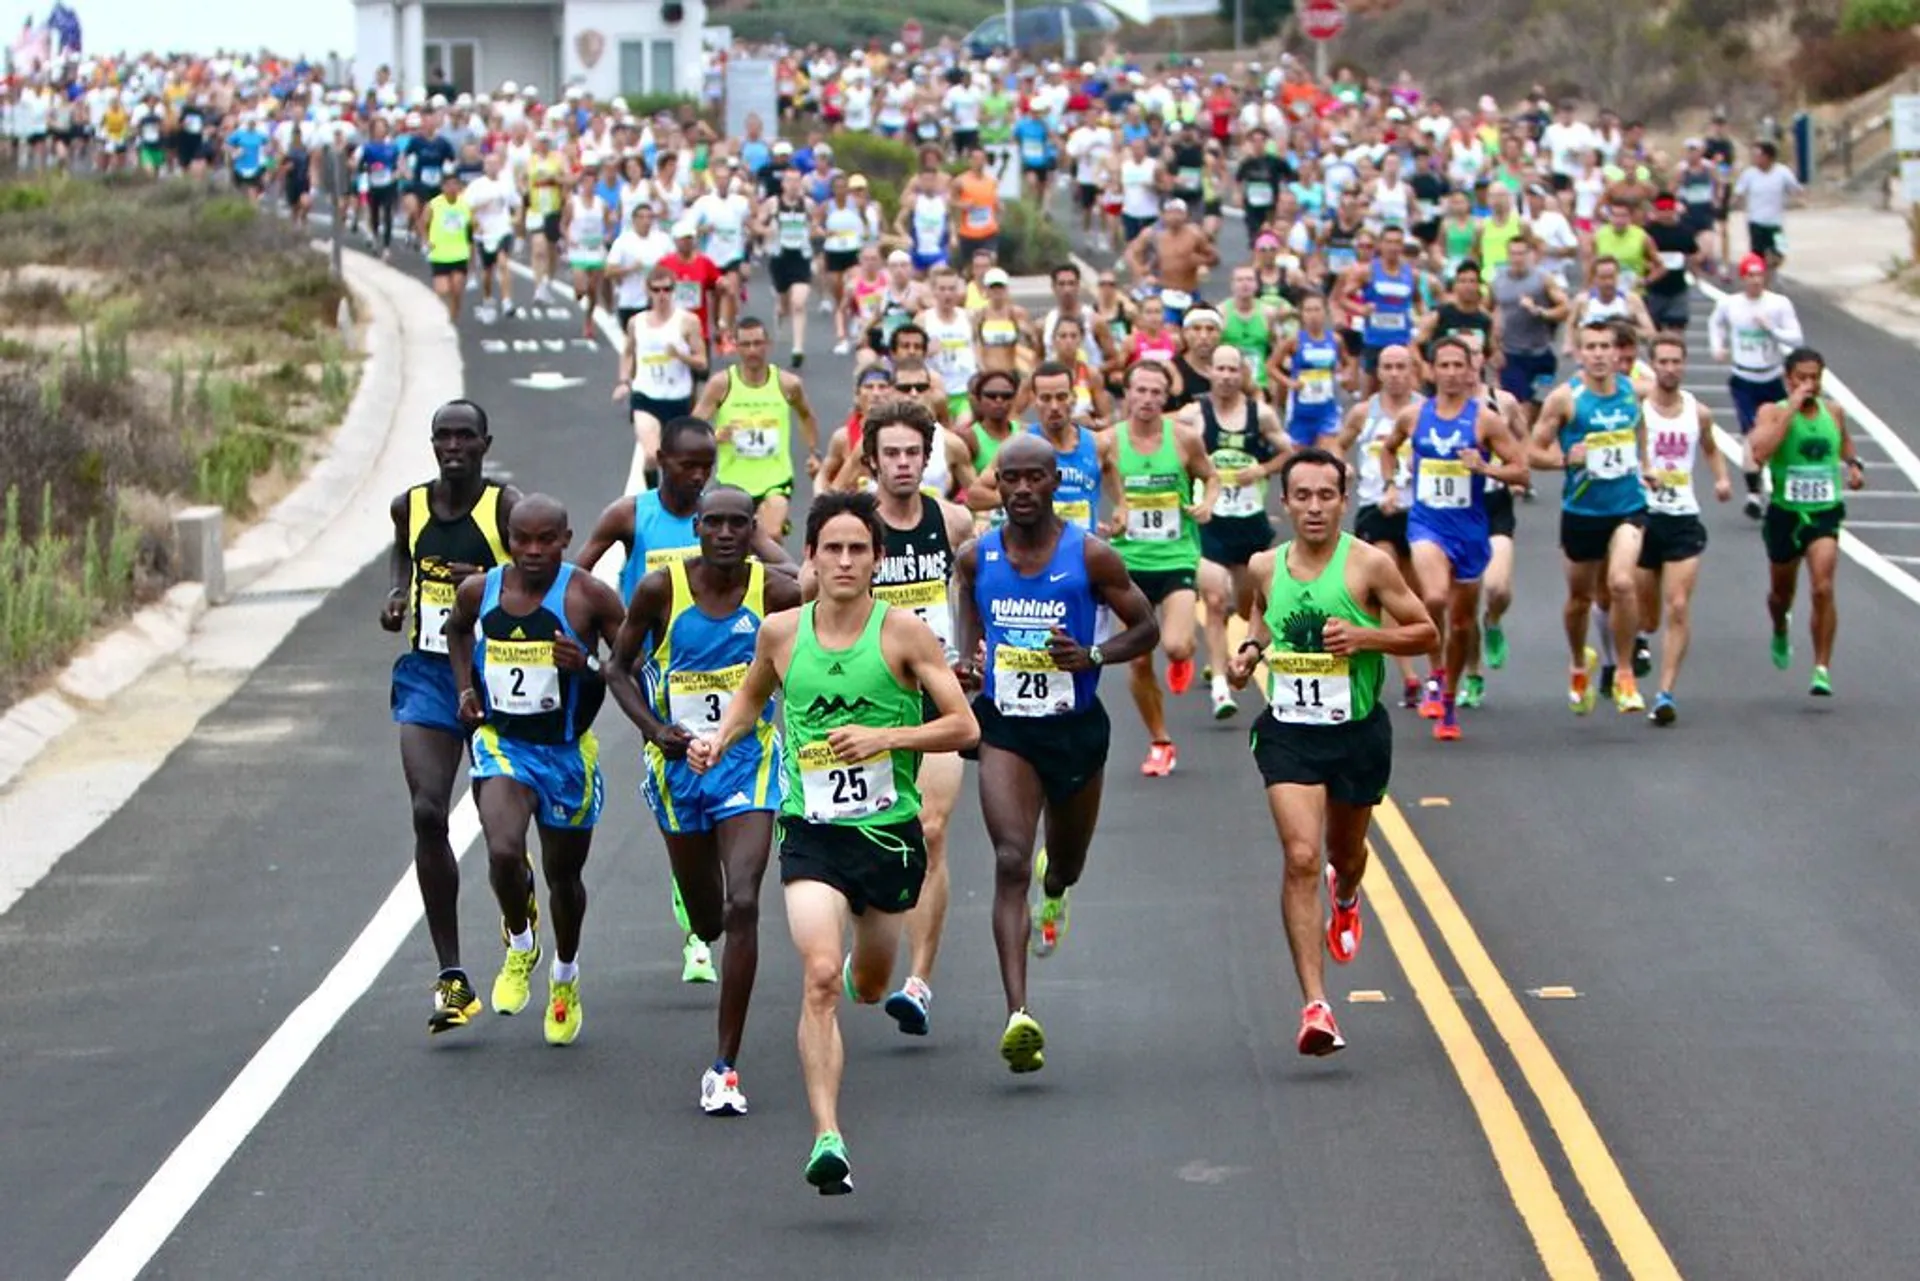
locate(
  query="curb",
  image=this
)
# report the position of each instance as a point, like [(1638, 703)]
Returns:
[(331, 487)]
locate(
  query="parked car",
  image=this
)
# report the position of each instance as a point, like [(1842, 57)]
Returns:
[(1066, 26)]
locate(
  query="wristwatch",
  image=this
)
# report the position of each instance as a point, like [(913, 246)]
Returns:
[(1094, 655)]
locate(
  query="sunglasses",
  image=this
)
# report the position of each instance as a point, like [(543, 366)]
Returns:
[(996, 395), (912, 387), (659, 289)]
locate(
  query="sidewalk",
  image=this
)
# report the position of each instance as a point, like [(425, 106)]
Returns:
[(73, 754)]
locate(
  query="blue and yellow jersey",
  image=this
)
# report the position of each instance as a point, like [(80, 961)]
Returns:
[(435, 544)]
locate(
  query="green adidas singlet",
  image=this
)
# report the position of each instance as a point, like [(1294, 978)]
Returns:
[(1159, 536), (828, 688), (1308, 686), (1806, 469), (1251, 335)]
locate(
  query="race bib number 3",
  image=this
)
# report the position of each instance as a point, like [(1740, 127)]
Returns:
[(1445, 485), (1812, 486), (1153, 518), (521, 677), (837, 791), (1027, 683), (697, 700), (1612, 454), (1310, 689), (436, 602)]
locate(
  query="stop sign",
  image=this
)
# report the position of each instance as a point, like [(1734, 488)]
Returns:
[(911, 33), (1322, 19)]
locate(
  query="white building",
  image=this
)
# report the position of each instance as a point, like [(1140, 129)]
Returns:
[(607, 46)]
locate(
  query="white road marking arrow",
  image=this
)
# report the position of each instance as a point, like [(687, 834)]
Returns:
[(547, 380)]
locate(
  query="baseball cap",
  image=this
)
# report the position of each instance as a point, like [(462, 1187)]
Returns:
[(900, 256), (995, 276), (783, 148), (1665, 200), (1753, 265), (685, 229), (1266, 240), (858, 182)]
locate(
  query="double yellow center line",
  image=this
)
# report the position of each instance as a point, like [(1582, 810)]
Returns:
[(1541, 1207)]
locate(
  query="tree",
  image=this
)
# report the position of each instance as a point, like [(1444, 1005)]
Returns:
[(1264, 18)]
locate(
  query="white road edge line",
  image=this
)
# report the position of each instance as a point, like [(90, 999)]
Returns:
[(165, 1200), (1904, 458)]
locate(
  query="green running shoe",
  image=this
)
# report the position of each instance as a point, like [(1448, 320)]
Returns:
[(1496, 639), (1023, 1043), (1473, 691), (1822, 686), (1783, 646), (696, 962), (827, 1168), (1050, 918)]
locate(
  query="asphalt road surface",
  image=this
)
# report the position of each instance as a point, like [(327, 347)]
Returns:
[(1632, 1001)]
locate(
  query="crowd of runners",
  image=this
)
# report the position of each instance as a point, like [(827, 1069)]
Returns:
[(1397, 313)]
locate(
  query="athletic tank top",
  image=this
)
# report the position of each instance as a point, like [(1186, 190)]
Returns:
[(434, 544), (754, 454), (1315, 362), (1495, 236), (1251, 336), (1017, 614), (1447, 498), (1607, 483), (526, 695), (1806, 469), (587, 229), (914, 567), (1159, 533), (659, 373), (659, 539), (1076, 499), (699, 662), (929, 226), (843, 228), (826, 689), (1390, 294), (1308, 687), (950, 348), (1672, 440), (1376, 426), (1232, 452)]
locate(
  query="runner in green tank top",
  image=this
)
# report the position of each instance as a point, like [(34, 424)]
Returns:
[(1328, 609), (853, 672), (1157, 533), (1804, 445), (751, 407), (1247, 324)]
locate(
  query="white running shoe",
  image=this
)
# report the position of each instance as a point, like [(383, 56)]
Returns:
[(842, 347), (720, 1093)]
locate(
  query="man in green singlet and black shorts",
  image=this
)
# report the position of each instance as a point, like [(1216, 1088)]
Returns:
[(1803, 443), (1157, 533), (851, 671), (753, 407), (1330, 607), (444, 532)]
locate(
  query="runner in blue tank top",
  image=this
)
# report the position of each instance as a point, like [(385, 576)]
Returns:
[(1592, 430), (1391, 292), (1087, 461), (1454, 441), (1030, 592), (1312, 363), (694, 624)]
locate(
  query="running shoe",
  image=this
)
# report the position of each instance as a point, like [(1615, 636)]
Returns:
[(1754, 508), (1343, 923), (1160, 762), (1431, 705), (846, 981), (827, 1168), (1822, 686), (1664, 712), (1783, 645), (908, 1006), (533, 907), (1626, 695), (1447, 728), (1606, 680), (455, 1003), (1473, 690), (1023, 1044), (1496, 638), (696, 962), (1224, 708), (842, 347), (1050, 917), (1410, 694), (514, 986), (564, 1012), (1180, 676), (1580, 692), (720, 1092), (1642, 656), (1319, 1034)]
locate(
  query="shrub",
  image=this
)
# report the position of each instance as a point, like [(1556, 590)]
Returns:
[(880, 159), (1846, 65), (1858, 16), (652, 104), (1031, 244)]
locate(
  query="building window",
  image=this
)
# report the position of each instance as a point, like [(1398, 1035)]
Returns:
[(663, 58), (633, 67), (456, 62)]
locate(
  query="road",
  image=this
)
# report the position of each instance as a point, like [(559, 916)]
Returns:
[(1723, 1089)]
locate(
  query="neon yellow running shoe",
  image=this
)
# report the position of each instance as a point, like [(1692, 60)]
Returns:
[(1050, 917), (1582, 693), (513, 988), (1023, 1044), (696, 962), (564, 1012)]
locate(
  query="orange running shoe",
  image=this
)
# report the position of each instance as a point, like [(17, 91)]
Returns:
[(1343, 926), (1447, 729), (1319, 1034), (1431, 706), (1180, 676), (1161, 758)]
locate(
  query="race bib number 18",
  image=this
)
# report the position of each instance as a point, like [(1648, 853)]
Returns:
[(1153, 518)]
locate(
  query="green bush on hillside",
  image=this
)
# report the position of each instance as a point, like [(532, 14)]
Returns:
[(1858, 16), (1031, 244)]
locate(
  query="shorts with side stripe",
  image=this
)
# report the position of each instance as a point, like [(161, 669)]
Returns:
[(563, 777), (746, 780)]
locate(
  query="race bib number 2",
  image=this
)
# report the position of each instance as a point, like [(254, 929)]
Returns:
[(521, 677), (436, 603)]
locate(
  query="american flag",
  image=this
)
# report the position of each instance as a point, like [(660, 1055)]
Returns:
[(64, 23)]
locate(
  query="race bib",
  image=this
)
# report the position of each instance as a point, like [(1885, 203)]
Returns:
[(1027, 683), (979, 216), (756, 442), (1812, 486), (1260, 194), (927, 602), (1673, 260), (1612, 455), (1175, 299), (1240, 500), (686, 295), (1033, 149), (436, 602), (793, 234), (521, 677), (835, 791), (1315, 388), (1444, 484), (929, 130), (1074, 511), (661, 557), (1187, 179), (1752, 348), (658, 369), (1153, 518), (696, 701), (1387, 321), (1310, 689)]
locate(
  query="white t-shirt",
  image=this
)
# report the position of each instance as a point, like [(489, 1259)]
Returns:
[(631, 249), (493, 203), (724, 219), (963, 105), (1766, 192), (1567, 145)]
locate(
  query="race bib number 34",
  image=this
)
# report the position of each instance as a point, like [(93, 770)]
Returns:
[(1027, 683), (1310, 689), (839, 791)]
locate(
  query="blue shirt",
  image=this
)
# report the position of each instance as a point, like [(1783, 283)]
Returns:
[(1077, 497), (1445, 501), (657, 535), (249, 147), (755, 154), (1036, 148), (1607, 483), (378, 160), (1018, 613)]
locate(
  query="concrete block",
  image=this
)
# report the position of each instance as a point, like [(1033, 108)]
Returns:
[(200, 533)]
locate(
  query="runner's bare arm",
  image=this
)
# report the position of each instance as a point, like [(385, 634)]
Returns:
[(770, 652), (1544, 449), (393, 613), (1193, 452), (1501, 443), (460, 623), (1123, 596), (796, 394), (967, 633), (1769, 430), (606, 619), (614, 526), (1722, 481), (711, 395), (645, 617), (1246, 658), (913, 649)]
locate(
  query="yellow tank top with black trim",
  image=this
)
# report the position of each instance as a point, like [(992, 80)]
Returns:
[(753, 424), (435, 544)]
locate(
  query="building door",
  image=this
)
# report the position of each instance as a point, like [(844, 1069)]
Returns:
[(458, 62)]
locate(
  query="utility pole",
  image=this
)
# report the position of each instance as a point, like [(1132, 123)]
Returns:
[(336, 189), (1239, 25)]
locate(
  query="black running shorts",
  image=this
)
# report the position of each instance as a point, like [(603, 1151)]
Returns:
[(1353, 762), (1067, 752), (880, 867)]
